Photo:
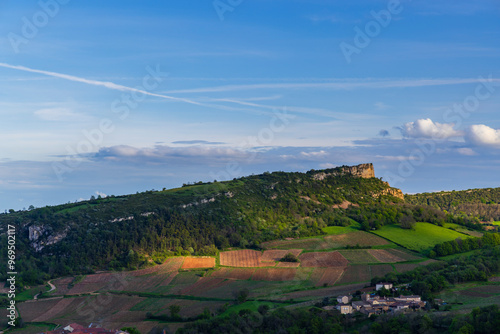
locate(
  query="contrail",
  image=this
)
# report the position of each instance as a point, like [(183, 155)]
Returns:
[(107, 84)]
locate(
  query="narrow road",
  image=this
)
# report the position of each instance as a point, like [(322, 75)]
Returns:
[(52, 288)]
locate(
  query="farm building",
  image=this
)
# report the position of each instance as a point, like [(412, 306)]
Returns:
[(345, 308), (344, 299), (384, 285)]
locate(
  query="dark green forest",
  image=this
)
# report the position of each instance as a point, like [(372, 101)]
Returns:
[(476, 204), (133, 231), (118, 232)]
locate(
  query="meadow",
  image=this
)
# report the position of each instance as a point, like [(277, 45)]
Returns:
[(421, 239)]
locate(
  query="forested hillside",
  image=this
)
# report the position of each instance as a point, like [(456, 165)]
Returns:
[(477, 204), (126, 232)]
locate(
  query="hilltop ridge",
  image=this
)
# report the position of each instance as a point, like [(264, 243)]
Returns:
[(117, 231)]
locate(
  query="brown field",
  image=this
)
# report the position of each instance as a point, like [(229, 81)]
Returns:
[(385, 256), (404, 267), (407, 256), (316, 275), (32, 310), (61, 285), (381, 270), (276, 255), (171, 264), (242, 258), (330, 276), (360, 238), (274, 274), (234, 273), (198, 262), (323, 259), (288, 265), (308, 244), (358, 256), (356, 273)]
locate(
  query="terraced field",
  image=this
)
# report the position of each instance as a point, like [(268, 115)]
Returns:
[(336, 241), (196, 283)]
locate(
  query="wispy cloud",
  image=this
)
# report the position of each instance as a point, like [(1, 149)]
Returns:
[(197, 142), (106, 84), (58, 114), (337, 84)]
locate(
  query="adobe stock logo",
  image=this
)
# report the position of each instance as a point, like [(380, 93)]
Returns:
[(30, 27), (372, 29)]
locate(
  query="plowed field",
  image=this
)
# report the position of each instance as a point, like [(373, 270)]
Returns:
[(198, 262), (242, 258), (323, 259)]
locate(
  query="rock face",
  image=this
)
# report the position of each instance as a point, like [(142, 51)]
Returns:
[(38, 241), (365, 171), (35, 232), (392, 192)]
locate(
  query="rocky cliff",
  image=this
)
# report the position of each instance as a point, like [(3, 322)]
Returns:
[(363, 170)]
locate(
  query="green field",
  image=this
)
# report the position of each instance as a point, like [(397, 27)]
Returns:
[(470, 295), (335, 230), (420, 239)]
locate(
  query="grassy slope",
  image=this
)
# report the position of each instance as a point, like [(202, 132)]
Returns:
[(421, 239)]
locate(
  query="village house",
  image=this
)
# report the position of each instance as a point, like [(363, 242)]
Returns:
[(385, 285), (344, 299), (370, 305), (345, 308)]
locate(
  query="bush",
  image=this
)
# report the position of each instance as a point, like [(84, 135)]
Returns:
[(289, 258)]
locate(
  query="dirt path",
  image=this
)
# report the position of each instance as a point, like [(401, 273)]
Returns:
[(52, 288)]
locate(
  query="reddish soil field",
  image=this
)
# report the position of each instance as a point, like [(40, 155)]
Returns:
[(356, 273), (198, 262), (330, 276), (242, 258), (272, 274), (381, 270), (384, 256), (323, 259), (234, 273), (288, 265), (276, 255)]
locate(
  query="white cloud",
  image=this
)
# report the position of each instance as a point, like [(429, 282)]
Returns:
[(58, 114), (426, 128), (318, 154), (483, 135), (328, 165), (381, 106), (103, 195), (466, 151)]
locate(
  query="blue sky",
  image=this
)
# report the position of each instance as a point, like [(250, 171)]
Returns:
[(117, 97)]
